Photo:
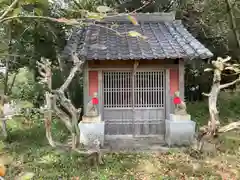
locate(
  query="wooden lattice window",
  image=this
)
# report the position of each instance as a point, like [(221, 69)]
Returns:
[(117, 88), (147, 91)]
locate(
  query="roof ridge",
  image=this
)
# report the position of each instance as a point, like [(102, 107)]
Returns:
[(142, 17)]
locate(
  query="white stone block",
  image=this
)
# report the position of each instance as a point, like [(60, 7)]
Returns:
[(91, 119), (179, 132), (91, 131), (176, 117)]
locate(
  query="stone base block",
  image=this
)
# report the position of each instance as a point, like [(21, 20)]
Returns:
[(90, 132), (179, 132), (176, 117), (91, 119)]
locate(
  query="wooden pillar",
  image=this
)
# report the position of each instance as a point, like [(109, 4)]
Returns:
[(181, 78), (100, 93), (167, 94), (135, 128), (174, 84), (85, 86)]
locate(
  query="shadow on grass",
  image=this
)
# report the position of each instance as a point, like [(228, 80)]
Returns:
[(31, 152)]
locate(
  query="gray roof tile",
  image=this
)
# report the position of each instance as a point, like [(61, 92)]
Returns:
[(164, 40)]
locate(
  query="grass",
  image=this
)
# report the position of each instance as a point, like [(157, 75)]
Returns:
[(228, 104), (28, 151)]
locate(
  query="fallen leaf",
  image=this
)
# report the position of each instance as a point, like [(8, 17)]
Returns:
[(136, 34), (95, 16), (103, 9), (26, 176), (133, 20)]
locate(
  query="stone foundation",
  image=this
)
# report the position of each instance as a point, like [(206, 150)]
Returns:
[(179, 132), (91, 131), (89, 119), (176, 117)]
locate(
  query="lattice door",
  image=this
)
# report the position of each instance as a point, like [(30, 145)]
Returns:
[(146, 90)]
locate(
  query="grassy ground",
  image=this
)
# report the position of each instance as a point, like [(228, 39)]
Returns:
[(28, 151)]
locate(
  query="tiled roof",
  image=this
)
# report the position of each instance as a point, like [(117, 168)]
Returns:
[(164, 40)]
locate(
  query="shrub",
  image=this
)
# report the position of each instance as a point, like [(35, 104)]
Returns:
[(228, 106), (25, 87)]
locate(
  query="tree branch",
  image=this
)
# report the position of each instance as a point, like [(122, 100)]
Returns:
[(229, 127), (66, 103), (28, 17), (62, 115), (9, 9), (205, 94), (233, 22), (76, 68), (229, 84)]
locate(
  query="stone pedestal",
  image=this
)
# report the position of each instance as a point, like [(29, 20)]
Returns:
[(176, 117), (91, 131), (179, 132), (93, 119)]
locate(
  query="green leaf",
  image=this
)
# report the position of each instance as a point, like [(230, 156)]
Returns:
[(114, 26), (96, 16), (26, 176), (136, 34), (133, 20), (208, 69), (17, 11), (104, 9), (38, 11)]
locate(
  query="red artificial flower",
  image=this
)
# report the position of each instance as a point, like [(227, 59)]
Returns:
[(94, 101), (177, 100)]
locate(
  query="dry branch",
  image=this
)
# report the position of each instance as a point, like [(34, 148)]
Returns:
[(229, 127), (222, 86), (210, 131), (62, 115), (9, 9), (233, 22), (77, 67)]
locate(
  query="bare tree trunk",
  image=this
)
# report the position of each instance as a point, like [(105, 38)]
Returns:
[(8, 59), (12, 84), (48, 119), (208, 132), (212, 106), (233, 22), (61, 66), (45, 71), (70, 120)]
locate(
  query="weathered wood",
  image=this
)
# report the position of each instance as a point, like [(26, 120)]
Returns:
[(70, 120), (135, 126), (85, 86), (77, 67), (233, 20), (167, 96), (210, 132), (181, 79), (4, 127), (44, 69), (148, 118), (218, 66)]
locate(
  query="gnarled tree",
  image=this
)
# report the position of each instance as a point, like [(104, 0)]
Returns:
[(219, 66), (54, 97), (57, 102)]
